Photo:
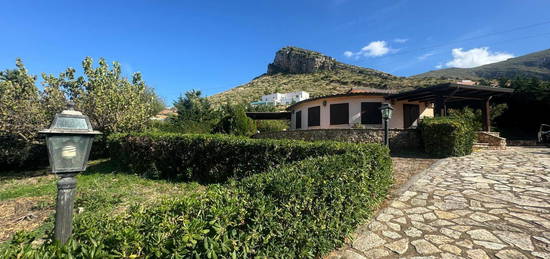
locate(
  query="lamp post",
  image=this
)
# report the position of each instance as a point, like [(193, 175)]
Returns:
[(69, 141), (386, 111)]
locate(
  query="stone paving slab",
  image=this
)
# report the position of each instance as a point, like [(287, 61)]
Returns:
[(491, 204)]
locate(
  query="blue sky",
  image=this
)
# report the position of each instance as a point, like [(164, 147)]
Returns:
[(216, 45)]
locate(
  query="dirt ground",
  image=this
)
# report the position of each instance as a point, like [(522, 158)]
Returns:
[(406, 167), (26, 213)]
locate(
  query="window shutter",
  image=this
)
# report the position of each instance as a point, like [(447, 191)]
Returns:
[(339, 113), (314, 116), (370, 113), (299, 119)]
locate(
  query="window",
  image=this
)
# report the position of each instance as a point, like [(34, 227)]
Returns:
[(370, 113), (299, 119), (339, 113), (314, 116)]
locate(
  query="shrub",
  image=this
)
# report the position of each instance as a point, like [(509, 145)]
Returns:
[(447, 136), (235, 122), (472, 117), (271, 125), (301, 210), (212, 158)]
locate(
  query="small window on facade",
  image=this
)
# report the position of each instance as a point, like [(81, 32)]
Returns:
[(299, 119), (339, 113), (370, 113), (314, 116)]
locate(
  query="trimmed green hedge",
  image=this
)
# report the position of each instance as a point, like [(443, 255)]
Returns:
[(16, 153), (302, 209), (212, 158), (447, 136)]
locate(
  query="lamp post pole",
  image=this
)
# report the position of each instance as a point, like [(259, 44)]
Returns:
[(386, 111), (66, 189), (386, 132)]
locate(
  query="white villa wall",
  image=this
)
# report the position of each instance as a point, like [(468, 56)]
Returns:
[(286, 98), (276, 97), (396, 122)]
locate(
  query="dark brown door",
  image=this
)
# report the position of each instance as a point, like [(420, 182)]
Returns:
[(410, 114)]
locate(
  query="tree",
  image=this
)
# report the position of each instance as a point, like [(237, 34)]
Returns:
[(235, 122), (193, 107), (526, 107), (156, 101), (113, 103), (21, 113)]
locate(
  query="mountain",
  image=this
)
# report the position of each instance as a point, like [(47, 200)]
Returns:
[(295, 69), (532, 65)]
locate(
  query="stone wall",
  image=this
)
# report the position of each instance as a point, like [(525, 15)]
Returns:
[(399, 139), (493, 139)]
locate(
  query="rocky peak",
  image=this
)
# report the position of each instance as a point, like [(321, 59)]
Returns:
[(295, 60)]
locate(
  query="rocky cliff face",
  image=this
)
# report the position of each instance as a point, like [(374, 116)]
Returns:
[(294, 60)]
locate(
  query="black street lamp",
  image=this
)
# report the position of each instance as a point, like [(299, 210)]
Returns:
[(386, 111), (69, 141)]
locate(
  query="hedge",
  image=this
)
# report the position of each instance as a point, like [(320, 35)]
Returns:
[(212, 158), (447, 136), (302, 209), (16, 153)]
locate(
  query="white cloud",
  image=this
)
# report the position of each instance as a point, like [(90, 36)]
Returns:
[(440, 66), (400, 40), (424, 56), (374, 49), (476, 57)]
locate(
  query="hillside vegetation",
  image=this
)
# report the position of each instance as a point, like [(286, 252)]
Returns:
[(534, 65), (295, 69)]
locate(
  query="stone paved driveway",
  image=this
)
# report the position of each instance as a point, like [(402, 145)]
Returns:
[(491, 204)]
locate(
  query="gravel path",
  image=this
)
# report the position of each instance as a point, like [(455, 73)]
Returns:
[(491, 204)]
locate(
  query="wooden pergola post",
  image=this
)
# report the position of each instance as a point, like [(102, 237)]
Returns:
[(486, 114), (439, 108)]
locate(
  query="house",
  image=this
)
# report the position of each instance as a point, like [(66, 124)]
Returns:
[(282, 99), (359, 107)]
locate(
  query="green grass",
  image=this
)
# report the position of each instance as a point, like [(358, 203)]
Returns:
[(103, 188), (102, 178)]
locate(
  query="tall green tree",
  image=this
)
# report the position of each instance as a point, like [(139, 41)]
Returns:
[(192, 106), (234, 121), (21, 113), (526, 107), (156, 102), (113, 102)]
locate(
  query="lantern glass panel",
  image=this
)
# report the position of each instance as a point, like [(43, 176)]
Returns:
[(69, 152), (70, 123)]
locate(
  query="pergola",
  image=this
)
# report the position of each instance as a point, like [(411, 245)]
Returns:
[(443, 94), (269, 115)]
